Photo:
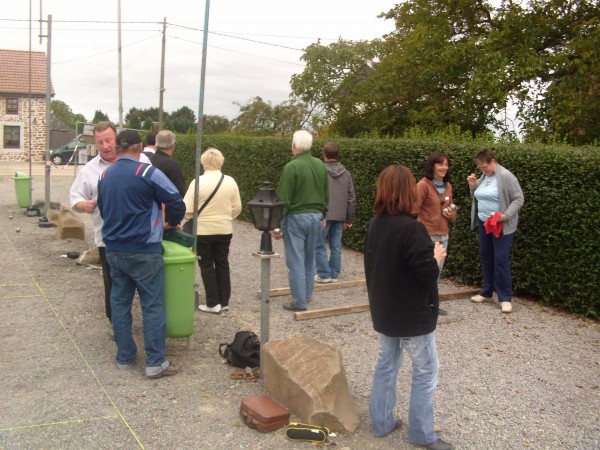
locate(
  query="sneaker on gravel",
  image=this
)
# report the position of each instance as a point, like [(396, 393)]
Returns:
[(438, 445), (334, 280), (214, 309), (479, 298), (506, 307), (318, 279), (225, 308), (172, 369)]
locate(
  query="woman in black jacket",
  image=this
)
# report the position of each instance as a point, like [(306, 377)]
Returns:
[(401, 269)]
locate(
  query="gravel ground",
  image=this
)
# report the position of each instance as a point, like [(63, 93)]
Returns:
[(525, 380)]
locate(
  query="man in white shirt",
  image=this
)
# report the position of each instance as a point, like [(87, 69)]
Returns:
[(84, 192)]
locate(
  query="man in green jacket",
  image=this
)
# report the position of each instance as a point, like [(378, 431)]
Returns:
[(303, 186)]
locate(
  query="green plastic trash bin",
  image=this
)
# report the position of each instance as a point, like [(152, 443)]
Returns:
[(180, 276), (22, 189)]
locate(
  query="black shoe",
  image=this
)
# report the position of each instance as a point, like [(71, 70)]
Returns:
[(292, 307), (396, 426), (442, 312), (438, 445)]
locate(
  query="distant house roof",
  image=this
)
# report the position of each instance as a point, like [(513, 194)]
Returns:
[(14, 73)]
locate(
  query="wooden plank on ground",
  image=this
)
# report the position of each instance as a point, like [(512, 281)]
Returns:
[(350, 309), (277, 292), (334, 311), (458, 294)]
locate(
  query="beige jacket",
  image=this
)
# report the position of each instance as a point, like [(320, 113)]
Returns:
[(226, 205)]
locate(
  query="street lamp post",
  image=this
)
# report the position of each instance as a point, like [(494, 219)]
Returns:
[(266, 211)]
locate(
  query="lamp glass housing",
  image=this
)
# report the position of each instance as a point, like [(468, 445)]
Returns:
[(266, 208)]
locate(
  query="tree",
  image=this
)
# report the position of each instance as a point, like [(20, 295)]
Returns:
[(181, 121), (215, 124), (256, 118), (99, 116), (561, 102), (63, 111), (292, 115), (460, 63), (330, 74), (260, 118)]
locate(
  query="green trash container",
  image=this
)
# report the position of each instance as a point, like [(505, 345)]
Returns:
[(22, 189), (180, 276)]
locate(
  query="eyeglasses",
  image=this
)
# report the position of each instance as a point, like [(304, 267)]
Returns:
[(482, 168)]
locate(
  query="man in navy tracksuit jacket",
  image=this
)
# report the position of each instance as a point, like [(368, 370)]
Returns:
[(130, 199)]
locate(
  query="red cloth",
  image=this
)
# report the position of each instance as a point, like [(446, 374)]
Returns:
[(492, 225)]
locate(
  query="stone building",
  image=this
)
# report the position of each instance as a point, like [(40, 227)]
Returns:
[(22, 102)]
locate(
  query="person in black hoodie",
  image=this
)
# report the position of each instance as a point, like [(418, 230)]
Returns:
[(401, 269)]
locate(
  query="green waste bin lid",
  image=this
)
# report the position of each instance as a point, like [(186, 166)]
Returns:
[(174, 253), (21, 175)]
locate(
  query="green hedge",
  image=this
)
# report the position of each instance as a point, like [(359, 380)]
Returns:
[(556, 251)]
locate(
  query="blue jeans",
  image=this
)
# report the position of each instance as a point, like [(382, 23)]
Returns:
[(444, 241), (144, 271), (300, 235), (332, 233), (495, 264), (423, 354)]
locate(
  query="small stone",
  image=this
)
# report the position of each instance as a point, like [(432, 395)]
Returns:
[(10, 217), (18, 230)]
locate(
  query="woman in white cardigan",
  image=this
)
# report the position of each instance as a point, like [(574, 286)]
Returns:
[(215, 228)]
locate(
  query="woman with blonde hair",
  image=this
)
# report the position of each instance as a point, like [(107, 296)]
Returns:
[(219, 203)]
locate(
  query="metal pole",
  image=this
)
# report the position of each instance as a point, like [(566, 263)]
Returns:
[(120, 72), (200, 120), (162, 76), (265, 307), (265, 301), (30, 120), (48, 118)]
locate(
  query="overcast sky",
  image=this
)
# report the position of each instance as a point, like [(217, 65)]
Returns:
[(254, 47)]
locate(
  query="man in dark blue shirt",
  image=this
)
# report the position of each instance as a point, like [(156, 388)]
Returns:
[(130, 198)]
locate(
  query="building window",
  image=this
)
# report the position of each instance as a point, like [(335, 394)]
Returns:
[(11, 136), (12, 106)]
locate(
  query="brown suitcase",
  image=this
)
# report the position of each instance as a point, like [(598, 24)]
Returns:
[(263, 413)]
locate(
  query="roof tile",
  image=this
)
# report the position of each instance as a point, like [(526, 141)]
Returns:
[(14, 72)]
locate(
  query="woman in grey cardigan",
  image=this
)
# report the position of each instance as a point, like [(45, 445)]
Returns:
[(497, 199)]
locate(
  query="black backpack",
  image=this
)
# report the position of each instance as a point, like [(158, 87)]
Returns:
[(243, 352)]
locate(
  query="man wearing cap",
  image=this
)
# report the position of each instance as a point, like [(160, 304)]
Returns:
[(130, 195), (84, 192)]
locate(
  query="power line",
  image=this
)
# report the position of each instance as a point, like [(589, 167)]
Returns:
[(220, 33)]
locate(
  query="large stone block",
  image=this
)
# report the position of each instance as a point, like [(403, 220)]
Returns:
[(69, 226), (308, 377)]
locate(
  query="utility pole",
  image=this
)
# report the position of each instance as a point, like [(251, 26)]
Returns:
[(162, 76), (48, 118)]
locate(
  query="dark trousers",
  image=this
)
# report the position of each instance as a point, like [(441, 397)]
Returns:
[(107, 281), (495, 264), (213, 259)]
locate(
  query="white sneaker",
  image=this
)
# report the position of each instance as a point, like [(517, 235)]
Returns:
[(506, 307), (318, 279), (214, 309), (225, 308), (334, 280), (479, 298)]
